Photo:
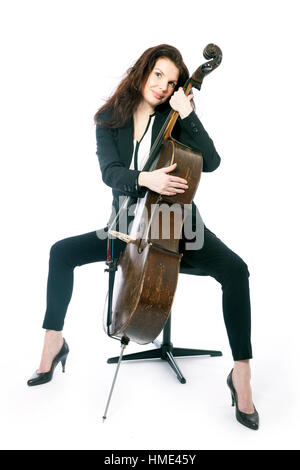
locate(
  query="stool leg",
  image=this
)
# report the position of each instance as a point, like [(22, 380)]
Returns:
[(195, 352), (172, 363)]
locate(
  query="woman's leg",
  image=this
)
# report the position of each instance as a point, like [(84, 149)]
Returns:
[(65, 255), (217, 260)]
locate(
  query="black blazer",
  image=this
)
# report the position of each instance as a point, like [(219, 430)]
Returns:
[(115, 148)]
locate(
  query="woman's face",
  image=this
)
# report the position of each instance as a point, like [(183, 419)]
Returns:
[(161, 82)]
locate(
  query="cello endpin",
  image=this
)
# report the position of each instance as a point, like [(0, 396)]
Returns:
[(124, 342)]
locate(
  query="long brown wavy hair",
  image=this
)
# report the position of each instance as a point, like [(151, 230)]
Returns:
[(126, 98)]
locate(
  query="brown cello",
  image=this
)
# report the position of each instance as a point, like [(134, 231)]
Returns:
[(146, 278), (143, 282)]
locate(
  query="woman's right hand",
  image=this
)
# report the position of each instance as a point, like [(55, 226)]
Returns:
[(160, 182)]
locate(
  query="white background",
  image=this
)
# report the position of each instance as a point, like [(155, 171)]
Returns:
[(59, 61)]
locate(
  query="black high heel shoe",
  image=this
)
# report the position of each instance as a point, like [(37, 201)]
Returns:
[(251, 420), (44, 377)]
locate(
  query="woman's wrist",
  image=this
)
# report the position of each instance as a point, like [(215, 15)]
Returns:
[(185, 112), (142, 178)]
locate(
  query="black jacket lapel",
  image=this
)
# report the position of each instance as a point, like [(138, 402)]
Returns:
[(125, 142)]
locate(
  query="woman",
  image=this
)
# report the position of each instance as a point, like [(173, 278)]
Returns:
[(126, 126)]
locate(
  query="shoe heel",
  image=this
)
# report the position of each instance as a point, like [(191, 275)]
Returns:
[(63, 363), (232, 399)]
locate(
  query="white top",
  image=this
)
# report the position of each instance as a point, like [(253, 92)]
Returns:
[(142, 148)]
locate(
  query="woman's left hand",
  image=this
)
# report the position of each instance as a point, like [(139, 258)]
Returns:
[(181, 103)]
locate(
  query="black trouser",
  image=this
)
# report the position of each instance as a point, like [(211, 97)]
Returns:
[(213, 259)]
